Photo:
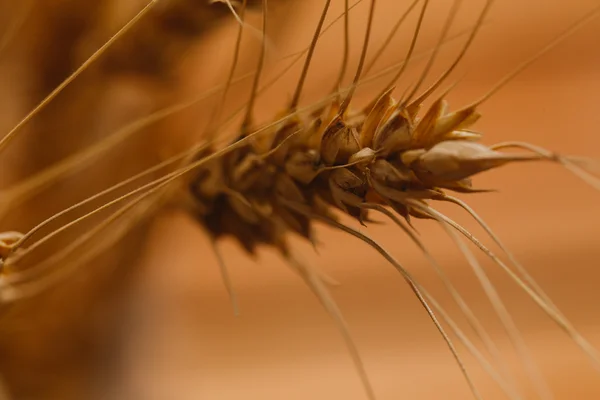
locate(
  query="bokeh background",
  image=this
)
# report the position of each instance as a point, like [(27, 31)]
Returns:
[(150, 319)]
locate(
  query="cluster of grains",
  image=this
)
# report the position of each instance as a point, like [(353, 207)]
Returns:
[(385, 156)]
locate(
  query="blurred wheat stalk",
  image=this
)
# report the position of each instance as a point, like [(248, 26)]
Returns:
[(54, 345)]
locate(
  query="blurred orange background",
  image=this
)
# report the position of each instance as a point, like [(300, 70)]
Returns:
[(182, 339)]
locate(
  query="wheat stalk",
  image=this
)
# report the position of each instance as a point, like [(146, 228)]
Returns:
[(278, 179)]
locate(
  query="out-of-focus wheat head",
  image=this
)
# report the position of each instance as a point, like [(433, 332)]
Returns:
[(52, 343), (67, 340)]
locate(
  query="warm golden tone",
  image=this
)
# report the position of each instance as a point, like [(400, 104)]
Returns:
[(126, 174)]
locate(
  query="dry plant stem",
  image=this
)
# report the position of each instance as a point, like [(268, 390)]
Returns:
[(225, 276), (473, 321), (240, 19), (361, 62), (219, 107), (33, 185), (390, 36), (10, 135), (589, 164), (506, 388), (150, 187), (583, 175), (311, 50), (36, 287), (551, 156), (264, 128), (402, 65), (11, 294), (104, 192), (568, 32), (30, 273), (71, 164), (188, 153), (522, 270), (541, 386), (156, 188), (445, 29), (563, 323), (298, 55), (167, 178), (414, 286), (247, 123), (346, 53), (460, 56), (160, 182), (323, 31), (17, 257), (381, 73), (411, 48), (316, 285), (8, 293), (146, 190)]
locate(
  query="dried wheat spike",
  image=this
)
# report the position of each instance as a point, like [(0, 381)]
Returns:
[(389, 155)]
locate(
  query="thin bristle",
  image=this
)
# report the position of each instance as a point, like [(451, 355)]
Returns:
[(316, 285), (543, 391), (361, 62), (342, 73), (460, 56), (459, 300), (446, 28), (313, 44), (411, 48), (225, 277), (391, 35), (416, 289), (11, 134), (247, 123), (236, 54), (562, 322)]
